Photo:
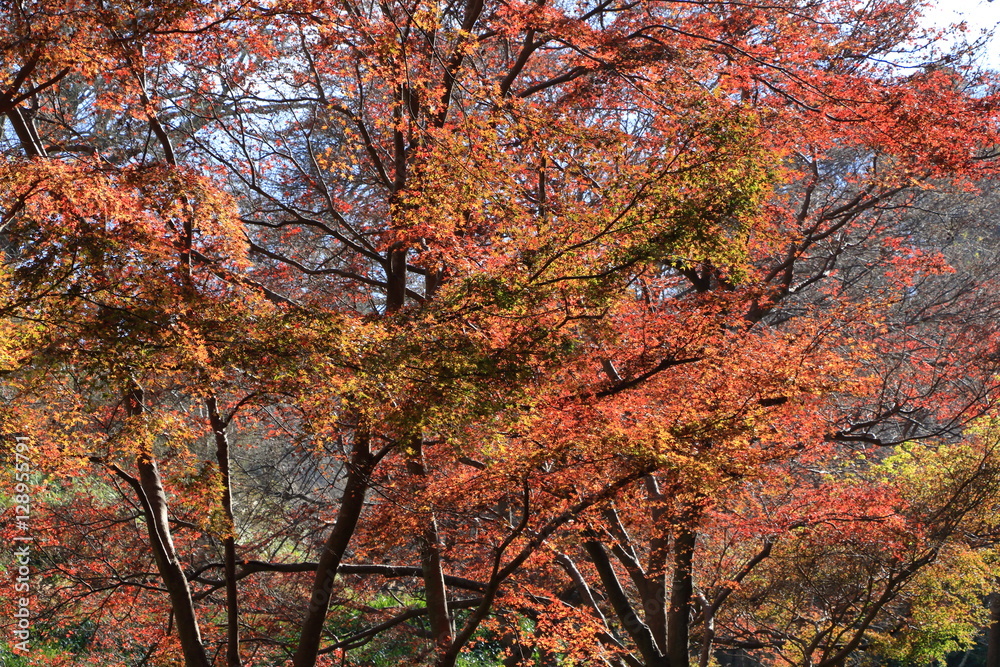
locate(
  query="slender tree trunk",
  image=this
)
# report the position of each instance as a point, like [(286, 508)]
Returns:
[(617, 597), (396, 280), (24, 127), (154, 502), (432, 281), (681, 590), (351, 504), (656, 568), (229, 543), (654, 602), (430, 558), (708, 635), (993, 632)]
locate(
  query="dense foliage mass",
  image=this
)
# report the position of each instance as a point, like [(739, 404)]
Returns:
[(639, 333)]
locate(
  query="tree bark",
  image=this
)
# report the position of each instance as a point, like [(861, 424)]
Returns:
[(993, 631), (681, 590), (351, 504), (708, 636), (395, 295), (633, 625), (229, 543), (430, 558), (27, 134), (154, 502), (656, 569)]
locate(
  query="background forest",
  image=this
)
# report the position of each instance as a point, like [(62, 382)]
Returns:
[(638, 333)]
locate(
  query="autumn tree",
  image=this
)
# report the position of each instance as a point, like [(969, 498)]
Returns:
[(506, 299)]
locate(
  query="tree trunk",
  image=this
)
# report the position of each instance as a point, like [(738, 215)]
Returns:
[(430, 558), (24, 127), (630, 622), (681, 590), (993, 632), (351, 504), (229, 543), (395, 295), (154, 502), (656, 568), (708, 635)]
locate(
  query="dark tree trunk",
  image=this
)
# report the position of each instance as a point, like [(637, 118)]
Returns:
[(430, 558), (395, 295), (681, 590), (229, 543), (351, 504), (993, 631)]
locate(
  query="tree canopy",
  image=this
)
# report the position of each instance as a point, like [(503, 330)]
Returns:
[(648, 333)]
